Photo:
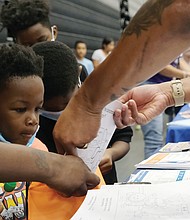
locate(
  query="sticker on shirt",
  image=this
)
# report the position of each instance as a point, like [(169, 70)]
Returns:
[(14, 202)]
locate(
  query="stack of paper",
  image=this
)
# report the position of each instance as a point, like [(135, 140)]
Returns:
[(161, 176), (167, 201), (179, 160), (176, 147)]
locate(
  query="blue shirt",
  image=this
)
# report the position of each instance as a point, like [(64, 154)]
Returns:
[(88, 64)]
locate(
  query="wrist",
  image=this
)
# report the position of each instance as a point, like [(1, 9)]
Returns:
[(90, 104), (45, 167), (109, 152), (167, 90), (178, 92)]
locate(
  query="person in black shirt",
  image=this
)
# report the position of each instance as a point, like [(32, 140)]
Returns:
[(60, 79)]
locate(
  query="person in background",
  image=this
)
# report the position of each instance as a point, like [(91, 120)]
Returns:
[(100, 55), (31, 27), (80, 52), (60, 86)]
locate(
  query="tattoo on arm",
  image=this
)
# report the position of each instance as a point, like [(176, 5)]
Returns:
[(150, 14), (113, 97), (40, 160)]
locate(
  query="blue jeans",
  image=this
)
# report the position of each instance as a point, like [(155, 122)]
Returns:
[(153, 135)]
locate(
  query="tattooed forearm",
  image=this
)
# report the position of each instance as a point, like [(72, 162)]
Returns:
[(150, 14), (41, 160)]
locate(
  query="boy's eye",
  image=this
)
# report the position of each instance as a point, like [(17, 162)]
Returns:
[(20, 110)]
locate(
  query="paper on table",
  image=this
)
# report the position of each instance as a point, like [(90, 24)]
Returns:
[(167, 201), (161, 176), (176, 147), (180, 160), (96, 148)]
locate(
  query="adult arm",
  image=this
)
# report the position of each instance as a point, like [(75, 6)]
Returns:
[(66, 174), (157, 34), (171, 72), (184, 65), (142, 109)]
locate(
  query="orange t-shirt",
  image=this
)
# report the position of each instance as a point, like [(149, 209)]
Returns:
[(45, 203)]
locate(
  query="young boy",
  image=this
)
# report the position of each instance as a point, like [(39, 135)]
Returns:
[(80, 52), (27, 21), (60, 82), (21, 97)]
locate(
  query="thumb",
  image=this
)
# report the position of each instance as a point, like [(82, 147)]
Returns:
[(92, 180)]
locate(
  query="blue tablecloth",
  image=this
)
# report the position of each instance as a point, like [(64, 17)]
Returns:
[(176, 133)]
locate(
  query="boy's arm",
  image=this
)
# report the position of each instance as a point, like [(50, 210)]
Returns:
[(117, 151), (157, 34), (66, 174)]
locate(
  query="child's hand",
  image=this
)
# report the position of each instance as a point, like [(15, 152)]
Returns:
[(106, 162)]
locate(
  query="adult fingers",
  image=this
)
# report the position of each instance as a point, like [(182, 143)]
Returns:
[(69, 149), (92, 181)]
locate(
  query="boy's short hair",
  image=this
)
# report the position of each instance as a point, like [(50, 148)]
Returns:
[(79, 42), (17, 15), (18, 61), (61, 69)]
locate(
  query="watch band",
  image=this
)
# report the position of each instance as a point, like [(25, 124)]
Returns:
[(178, 92)]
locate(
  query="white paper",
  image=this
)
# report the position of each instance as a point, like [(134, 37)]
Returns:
[(161, 176), (168, 201), (176, 147), (96, 148), (180, 160)]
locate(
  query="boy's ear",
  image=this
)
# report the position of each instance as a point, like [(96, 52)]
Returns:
[(55, 31)]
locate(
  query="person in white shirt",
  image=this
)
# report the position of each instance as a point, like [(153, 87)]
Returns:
[(80, 52), (100, 55)]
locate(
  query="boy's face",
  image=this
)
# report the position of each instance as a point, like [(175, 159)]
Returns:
[(81, 50), (20, 101), (110, 46), (34, 34)]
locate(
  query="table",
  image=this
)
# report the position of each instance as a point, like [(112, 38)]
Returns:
[(178, 133)]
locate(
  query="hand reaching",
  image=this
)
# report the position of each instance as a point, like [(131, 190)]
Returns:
[(76, 126), (142, 104)]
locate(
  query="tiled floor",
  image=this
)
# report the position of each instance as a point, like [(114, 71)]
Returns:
[(136, 154)]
